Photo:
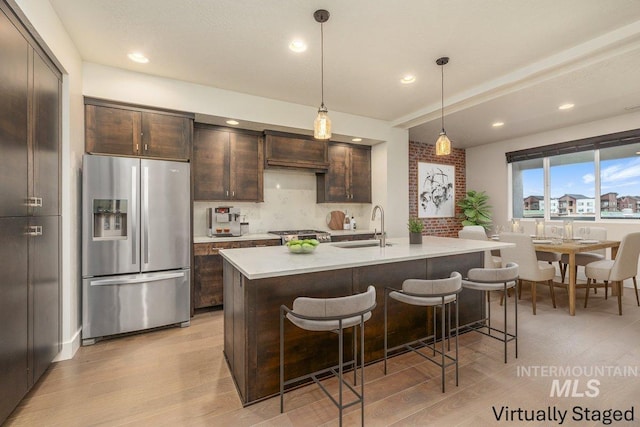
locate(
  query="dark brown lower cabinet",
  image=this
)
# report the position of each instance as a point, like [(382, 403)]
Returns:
[(13, 314), (207, 267), (29, 304), (44, 283)]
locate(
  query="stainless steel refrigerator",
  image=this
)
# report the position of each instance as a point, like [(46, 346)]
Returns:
[(135, 245)]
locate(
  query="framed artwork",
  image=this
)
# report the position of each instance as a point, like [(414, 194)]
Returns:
[(436, 190)]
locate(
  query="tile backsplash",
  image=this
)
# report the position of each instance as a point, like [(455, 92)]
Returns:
[(289, 203)]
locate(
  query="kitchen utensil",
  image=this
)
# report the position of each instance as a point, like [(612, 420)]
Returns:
[(335, 220)]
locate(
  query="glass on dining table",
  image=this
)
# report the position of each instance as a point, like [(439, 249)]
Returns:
[(556, 234), (584, 232)]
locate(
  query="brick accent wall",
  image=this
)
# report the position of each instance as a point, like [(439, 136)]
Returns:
[(422, 152)]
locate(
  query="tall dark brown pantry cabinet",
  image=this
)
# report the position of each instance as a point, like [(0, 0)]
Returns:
[(30, 87)]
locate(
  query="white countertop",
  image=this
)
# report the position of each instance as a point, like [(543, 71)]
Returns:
[(274, 261), (249, 236)]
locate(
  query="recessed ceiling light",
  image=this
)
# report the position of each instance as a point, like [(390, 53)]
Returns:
[(566, 106), (298, 46), (356, 139), (498, 124), (138, 57), (408, 79), (233, 122)]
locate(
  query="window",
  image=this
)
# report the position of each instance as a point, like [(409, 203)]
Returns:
[(620, 182), (528, 189), (596, 177), (572, 184)]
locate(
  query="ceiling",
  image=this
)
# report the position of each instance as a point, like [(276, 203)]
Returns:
[(513, 61)]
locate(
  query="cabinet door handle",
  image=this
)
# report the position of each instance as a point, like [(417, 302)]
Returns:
[(146, 147), (227, 193), (34, 230), (137, 147), (34, 202), (233, 194)]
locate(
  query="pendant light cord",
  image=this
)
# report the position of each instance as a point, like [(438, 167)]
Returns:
[(442, 96), (322, 64)]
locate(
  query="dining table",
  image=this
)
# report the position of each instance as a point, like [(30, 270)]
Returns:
[(571, 247)]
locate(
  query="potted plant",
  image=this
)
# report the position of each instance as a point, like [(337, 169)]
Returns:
[(475, 209), (415, 231)]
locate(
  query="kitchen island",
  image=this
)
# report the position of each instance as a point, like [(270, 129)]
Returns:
[(258, 280)]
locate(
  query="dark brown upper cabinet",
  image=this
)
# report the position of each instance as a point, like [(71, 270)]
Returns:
[(286, 150), (227, 164), (348, 179), (127, 130)]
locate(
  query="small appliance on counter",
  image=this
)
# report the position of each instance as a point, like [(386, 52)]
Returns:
[(286, 235), (224, 221)]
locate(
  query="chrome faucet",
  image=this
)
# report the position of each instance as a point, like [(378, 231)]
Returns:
[(383, 239)]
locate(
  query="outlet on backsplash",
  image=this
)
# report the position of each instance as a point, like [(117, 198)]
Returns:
[(289, 203)]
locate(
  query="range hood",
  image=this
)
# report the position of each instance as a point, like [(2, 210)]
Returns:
[(293, 151)]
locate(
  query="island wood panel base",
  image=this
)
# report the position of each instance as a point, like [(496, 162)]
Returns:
[(252, 310)]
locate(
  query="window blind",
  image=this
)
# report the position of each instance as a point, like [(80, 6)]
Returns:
[(586, 144)]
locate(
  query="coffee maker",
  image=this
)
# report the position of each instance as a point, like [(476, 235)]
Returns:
[(223, 221)]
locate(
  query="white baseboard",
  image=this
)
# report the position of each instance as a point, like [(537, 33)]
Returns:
[(69, 347)]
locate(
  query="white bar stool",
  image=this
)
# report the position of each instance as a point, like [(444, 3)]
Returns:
[(495, 279), (428, 293), (331, 315)]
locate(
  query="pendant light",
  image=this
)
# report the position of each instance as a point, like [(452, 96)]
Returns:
[(322, 124), (443, 144)]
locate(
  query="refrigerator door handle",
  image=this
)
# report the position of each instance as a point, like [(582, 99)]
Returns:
[(145, 209), (155, 278), (134, 225)]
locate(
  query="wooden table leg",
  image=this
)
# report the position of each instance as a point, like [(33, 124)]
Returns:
[(572, 284)]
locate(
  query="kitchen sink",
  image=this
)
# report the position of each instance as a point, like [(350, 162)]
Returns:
[(354, 244)]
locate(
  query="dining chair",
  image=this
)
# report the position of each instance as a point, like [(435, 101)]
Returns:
[(477, 232), (550, 257), (624, 266), (529, 268), (584, 258)]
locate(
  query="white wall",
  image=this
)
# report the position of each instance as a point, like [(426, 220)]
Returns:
[(389, 159), (47, 24)]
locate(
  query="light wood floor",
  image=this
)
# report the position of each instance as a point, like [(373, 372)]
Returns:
[(178, 377)]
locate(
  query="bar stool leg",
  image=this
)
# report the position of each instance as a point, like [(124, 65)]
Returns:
[(362, 369), (505, 324), (449, 332), (516, 320), (489, 311), (435, 326), (340, 362), (442, 338), (457, 333), (281, 361), (355, 356), (385, 331)]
